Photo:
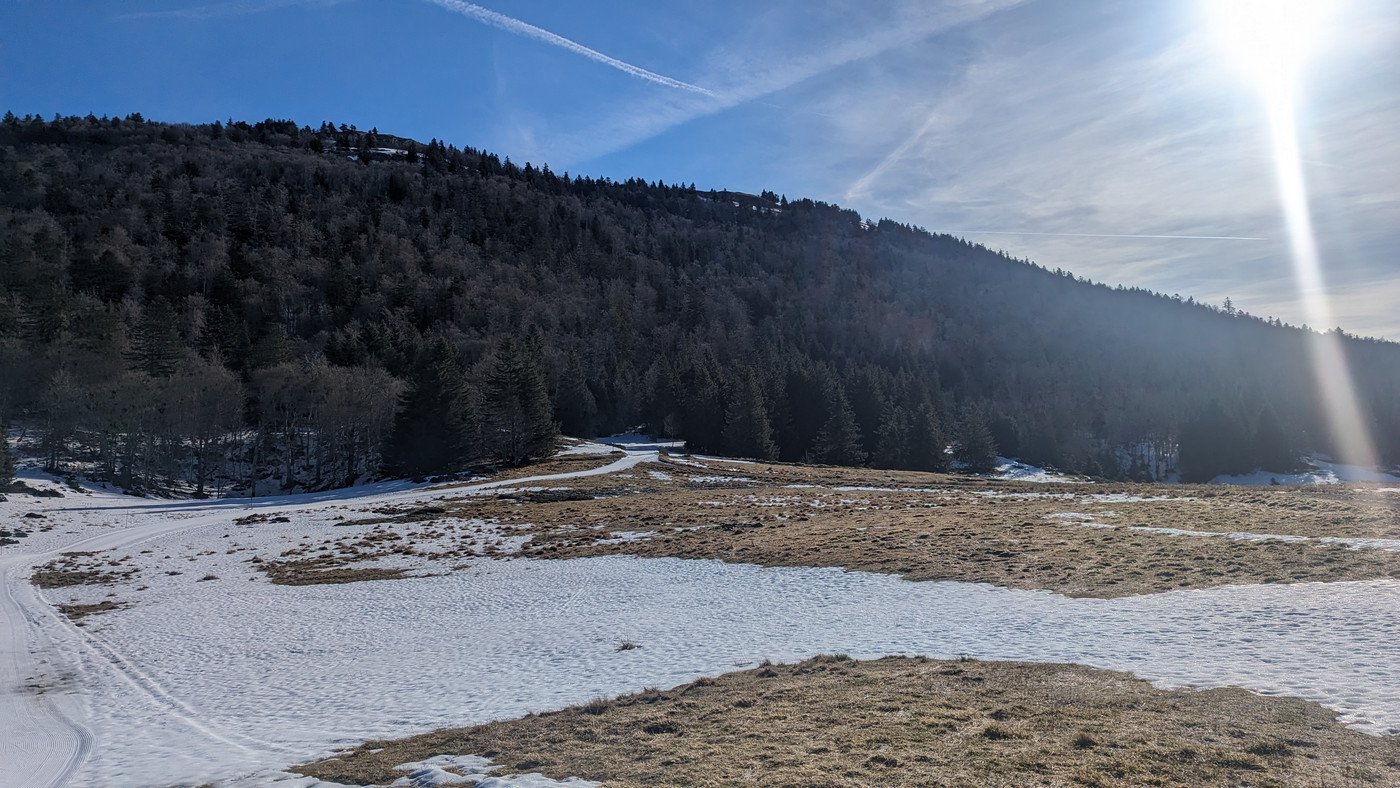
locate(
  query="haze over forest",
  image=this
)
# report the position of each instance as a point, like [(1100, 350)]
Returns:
[(336, 303)]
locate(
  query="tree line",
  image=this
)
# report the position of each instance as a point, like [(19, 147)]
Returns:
[(231, 303)]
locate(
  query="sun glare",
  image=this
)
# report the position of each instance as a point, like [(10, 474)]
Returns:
[(1270, 41)]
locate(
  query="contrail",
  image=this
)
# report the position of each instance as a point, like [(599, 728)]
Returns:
[(1106, 235), (234, 8), (512, 25)]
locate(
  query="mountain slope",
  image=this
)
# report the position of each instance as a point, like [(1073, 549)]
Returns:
[(264, 291)]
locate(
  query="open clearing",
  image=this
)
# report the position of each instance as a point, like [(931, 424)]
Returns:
[(162, 642), (1106, 540)]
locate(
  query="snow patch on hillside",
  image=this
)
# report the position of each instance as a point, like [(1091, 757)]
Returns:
[(585, 448), (1323, 471), (1016, 471)]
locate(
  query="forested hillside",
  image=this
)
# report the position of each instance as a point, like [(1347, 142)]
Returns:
[(207, 305)]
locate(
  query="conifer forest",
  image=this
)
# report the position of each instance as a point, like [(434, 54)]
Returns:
[(236, 307)]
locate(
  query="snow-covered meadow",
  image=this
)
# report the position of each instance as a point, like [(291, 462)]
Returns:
[(232, 679)]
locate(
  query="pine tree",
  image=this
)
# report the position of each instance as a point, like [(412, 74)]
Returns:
[(156, 346), (1275, 443), (975, 448), (1212, 443), (7, 458), (747, 432), (432, 431), (702, 417), (893, 439), (575, 406), (517, 404), (839, 441), (927, 444)]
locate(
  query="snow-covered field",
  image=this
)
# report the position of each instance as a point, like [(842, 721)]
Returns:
[(229, 680)]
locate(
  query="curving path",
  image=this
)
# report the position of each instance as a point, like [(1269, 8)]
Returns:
[(42, 740)]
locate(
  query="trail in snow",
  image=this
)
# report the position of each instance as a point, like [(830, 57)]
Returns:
[(45, 660), (318, 667), (233, 680), (40, 743)]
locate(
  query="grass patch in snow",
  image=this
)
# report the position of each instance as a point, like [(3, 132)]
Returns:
[(314, 571), (923, 527), (77, 612), (81, 569), (833, 721), (936, 528)]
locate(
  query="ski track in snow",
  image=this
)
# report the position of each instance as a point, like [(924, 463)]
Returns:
[(233, 680), (48, 665)]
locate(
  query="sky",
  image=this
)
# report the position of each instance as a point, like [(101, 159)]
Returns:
[(1117, 140)]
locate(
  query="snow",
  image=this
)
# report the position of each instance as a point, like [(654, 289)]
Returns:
[(474, 770), (635, 441), (1355, 543), (47, 731), (1323, 471), (1126, 498), (585, 447), (285, 673), (624, 537), (1014, 470), (1239, 535), (234, 679), (732, 460), (1025, 495)]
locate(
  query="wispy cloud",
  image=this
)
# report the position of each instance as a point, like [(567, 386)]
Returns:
[(233, 8), (768, 59), (513, 25), (1092, 142)]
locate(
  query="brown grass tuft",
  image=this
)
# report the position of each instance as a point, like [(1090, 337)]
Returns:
[(912, 721)]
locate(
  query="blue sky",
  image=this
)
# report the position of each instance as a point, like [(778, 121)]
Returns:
[(1046, 128)]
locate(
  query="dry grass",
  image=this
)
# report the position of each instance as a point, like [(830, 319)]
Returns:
[(317, 571), (77, 612), (929, 527), (911, 721), (566, 464), (1068, 559), (81, 568), (919, 526)]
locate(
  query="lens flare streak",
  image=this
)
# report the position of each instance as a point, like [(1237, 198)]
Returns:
[(1269, 42), (1334, 380)]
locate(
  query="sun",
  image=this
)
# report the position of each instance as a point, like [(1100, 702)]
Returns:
[(1270, 40)]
